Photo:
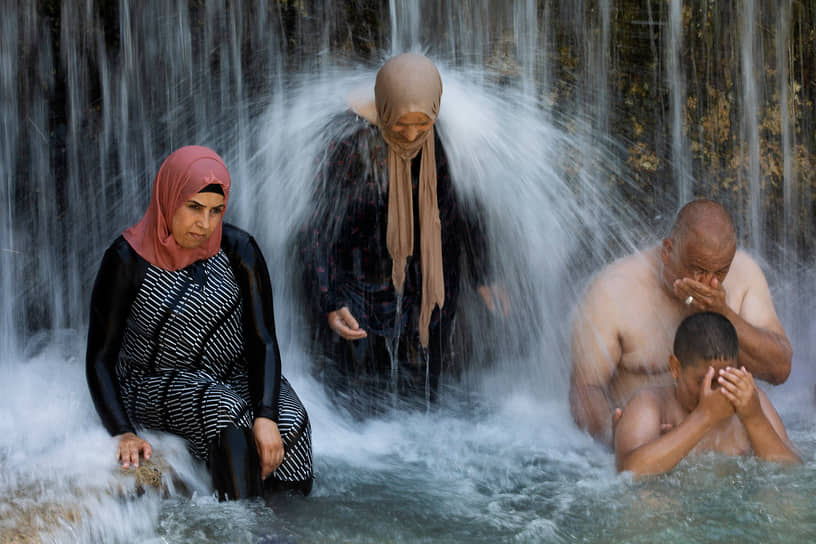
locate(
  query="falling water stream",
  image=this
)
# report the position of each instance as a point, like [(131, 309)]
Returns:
[(498, 459)]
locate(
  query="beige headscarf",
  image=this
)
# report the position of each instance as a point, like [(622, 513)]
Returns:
[(411, 83)]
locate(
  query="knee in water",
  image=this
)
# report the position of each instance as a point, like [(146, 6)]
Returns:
[(234, 466)]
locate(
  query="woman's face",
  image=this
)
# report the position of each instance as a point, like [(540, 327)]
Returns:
[(412, 125), (196, 220)]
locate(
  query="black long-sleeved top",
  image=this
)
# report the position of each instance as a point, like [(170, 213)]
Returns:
[(117, 284), (344, 245)]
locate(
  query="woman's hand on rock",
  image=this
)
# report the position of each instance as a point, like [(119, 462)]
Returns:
[(129, 449)]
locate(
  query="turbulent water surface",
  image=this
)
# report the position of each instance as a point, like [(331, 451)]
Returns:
[(507, 469)]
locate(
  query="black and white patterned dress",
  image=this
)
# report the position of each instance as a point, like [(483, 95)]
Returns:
[(182, 366)]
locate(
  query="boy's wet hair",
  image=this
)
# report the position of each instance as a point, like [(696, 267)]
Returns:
[(704, 337)]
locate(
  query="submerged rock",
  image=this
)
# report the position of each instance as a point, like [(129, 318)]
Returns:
[(29, 514), (147, 475), (27, 519)]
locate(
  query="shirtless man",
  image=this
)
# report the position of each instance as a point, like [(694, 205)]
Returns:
[(624, 326), (713, 406)]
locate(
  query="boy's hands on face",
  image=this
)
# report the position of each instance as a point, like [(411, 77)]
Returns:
[(738, 387), (714, 404)]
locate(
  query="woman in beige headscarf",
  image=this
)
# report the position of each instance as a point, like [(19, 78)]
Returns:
[(382, 248)]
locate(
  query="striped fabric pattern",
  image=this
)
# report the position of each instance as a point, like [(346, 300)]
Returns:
[(182, 367), (296, 433)]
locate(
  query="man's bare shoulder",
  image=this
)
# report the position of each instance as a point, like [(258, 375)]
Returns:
[(639, 263), (744, 271), (745, 277), (621, 276), (617, 302)]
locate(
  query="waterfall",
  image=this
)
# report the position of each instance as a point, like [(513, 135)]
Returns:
[(90, 112), (749, 54), (580, 126), (677, 101), (783, 82)]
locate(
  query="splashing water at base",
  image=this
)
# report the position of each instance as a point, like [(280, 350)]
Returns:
[(492, 470)]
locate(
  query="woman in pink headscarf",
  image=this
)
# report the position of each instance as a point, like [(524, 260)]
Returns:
[(382, 249), (182, 338)]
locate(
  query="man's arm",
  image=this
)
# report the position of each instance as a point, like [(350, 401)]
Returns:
[(596, 352), (764, 348), (766, 352), (761, 420), (642, 450)]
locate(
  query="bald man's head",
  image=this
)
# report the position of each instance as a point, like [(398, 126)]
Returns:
[(704, 221), (701, 245)]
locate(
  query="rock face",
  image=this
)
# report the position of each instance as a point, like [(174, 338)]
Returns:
[(26, 517), (24, 520), (148, 474)]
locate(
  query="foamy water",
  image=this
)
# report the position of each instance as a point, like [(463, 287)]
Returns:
[(495, 468)]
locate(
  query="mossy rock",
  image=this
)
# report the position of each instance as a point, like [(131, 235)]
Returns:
[(148, 474), (26, 518)]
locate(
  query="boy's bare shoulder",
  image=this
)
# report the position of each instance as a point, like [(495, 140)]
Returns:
[(652, 396)]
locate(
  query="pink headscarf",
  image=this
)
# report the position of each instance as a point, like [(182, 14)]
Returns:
[(184, 173)]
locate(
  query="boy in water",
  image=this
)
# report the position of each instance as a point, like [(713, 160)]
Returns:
[(713, 406)]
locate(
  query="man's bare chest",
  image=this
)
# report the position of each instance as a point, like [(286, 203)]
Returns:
[(646, 341)]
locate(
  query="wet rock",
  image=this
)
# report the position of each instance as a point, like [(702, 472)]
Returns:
[(25, 517), (148, 474)]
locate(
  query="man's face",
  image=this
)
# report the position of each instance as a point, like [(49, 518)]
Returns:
[(689, 379), (697, 256)]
